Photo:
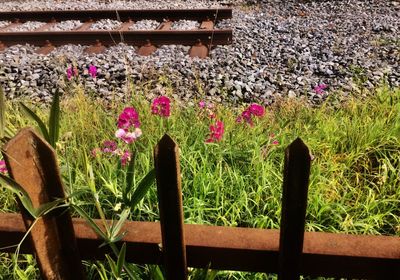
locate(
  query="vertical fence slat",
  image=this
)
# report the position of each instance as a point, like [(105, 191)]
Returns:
[(294, 204), (32, 163), (166, 159)]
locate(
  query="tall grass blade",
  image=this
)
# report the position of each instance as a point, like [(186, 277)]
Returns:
[(129, 178), (2, 113), (143, 188), (54, 120), (38, 121)]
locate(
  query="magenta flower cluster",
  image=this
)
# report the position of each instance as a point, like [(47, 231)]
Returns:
[(128, 125), (254, 110), (73, 72), (319, 89), (216, 132), (128, 131), (3, 167), (161, 106)]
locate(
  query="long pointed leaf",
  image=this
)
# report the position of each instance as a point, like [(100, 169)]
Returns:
[(2, 114), (20, 192), (143, 187), (92, 224), (116, 229), (39, 122), (121, 259), (54, 120)]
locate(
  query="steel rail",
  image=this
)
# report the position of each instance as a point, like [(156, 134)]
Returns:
[(137, 38), (122, 15), (230, 248)]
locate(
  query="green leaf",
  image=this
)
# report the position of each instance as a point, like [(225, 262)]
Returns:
[(2, 114), (116, 229), (156, 273), (38, 121), (45, 208), (121, 259), (143, 188), (20, 192), (90, 221), (113, 266), (54, 120)]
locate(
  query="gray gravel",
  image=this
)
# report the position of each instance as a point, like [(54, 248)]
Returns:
[(105, 24), (65, 25), (279, 49), (27, 26), (146, 24), (4, 23), (185, 25)]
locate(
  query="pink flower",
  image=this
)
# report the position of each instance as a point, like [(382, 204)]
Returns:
[(92, 71), (216, 132), (128, 118), (202, 104), (256, 110), (252, 110), (95, 152), (3, 167), (109, 147), (275, 142), (125, 158), (71, 72), (161, 106), (128, 137), (319, 89)]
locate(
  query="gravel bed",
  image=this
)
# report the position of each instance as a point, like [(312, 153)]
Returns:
[(18, 5), (66, 25), (4, 23), (279, 49), (27, 26), (105, 24), (185, 25), (146, 24)]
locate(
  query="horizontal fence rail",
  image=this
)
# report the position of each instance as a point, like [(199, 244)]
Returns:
[(242, 249)]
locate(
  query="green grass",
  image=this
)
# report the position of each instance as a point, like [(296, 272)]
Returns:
[(354, 183)]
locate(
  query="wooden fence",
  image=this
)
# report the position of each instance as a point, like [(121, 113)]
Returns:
[(60, 242)]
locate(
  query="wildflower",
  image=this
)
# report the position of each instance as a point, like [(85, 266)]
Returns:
[(128, 137), (252, 110), (125, 158), (216, 132), (275, 142), (208, 109), (71, 72), (161, 106), (256, 110), (92, 71), (319, 89), (3, 167), (202, 104), (128, 118), (94, 152), (109, 147)]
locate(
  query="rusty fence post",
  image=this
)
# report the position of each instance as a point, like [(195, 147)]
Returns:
[(32, 163), (294, 204), (166, 160)]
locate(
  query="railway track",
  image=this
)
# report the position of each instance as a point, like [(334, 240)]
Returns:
[(200, 39)]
